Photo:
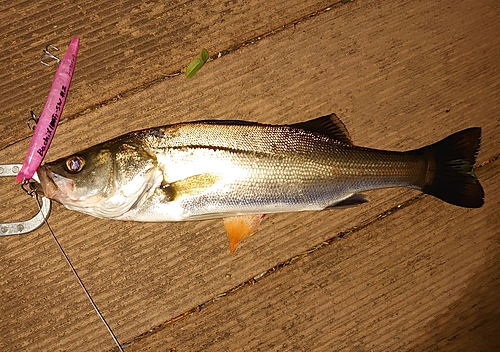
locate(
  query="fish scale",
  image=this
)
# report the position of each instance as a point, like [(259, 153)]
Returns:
[(239, 170), (271, 169)]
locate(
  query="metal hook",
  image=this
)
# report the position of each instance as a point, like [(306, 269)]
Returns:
[(48, 54), (22, 227), (33, 118)]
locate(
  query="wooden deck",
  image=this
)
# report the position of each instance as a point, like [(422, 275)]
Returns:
[(401, 273)]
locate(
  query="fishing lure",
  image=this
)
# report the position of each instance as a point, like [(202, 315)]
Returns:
[(51, 114)]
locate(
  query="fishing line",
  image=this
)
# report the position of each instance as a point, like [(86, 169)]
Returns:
[(34, 194)]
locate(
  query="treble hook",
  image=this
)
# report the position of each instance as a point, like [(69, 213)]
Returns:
[(33, 118), (48, 54), (30, 188)]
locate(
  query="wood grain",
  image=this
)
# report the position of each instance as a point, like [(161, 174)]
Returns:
[(400, 74)]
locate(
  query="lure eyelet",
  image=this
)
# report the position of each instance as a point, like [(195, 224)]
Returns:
[(75, 164)]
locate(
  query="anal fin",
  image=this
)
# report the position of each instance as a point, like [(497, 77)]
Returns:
[(352, 201), (240, 227)]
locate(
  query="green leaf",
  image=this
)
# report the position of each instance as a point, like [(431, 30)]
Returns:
[(193, 67), (204, 55)]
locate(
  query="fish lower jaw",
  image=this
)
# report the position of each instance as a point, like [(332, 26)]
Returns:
[(53, 186)]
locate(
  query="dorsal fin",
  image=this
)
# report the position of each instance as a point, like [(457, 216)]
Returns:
[(231, 122), (329, 125)]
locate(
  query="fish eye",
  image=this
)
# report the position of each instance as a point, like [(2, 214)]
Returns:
[(75, 164)]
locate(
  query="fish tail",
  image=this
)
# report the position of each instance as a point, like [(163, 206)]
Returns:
[(450, 172)]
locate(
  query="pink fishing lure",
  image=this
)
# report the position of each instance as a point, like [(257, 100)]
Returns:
[(47, 123)]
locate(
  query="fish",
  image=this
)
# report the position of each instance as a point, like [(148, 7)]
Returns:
[(240, 170)]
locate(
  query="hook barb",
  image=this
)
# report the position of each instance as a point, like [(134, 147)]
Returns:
[(47, 54)]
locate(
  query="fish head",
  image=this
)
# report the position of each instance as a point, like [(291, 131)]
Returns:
[(106, 180)]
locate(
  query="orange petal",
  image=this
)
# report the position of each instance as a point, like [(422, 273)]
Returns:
[(240, 227)]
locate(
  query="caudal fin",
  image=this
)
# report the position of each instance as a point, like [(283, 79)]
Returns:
[(452, 179)]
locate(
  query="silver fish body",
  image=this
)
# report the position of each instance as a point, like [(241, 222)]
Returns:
[(212, 169)]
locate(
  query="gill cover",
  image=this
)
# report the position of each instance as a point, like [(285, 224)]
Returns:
[(107, 180)]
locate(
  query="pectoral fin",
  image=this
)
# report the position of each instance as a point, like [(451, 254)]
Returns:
[(240, 227), (193, 185)]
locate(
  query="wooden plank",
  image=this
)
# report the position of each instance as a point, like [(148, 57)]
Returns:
[(399, 74), (125, 46), (423, 278)]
